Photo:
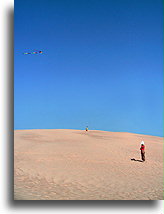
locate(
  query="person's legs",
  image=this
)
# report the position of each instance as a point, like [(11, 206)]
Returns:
[(143, 155)]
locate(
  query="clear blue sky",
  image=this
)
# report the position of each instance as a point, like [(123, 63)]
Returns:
[(102, 65)]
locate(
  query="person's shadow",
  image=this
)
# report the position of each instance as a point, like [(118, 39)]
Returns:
[(133, 159)]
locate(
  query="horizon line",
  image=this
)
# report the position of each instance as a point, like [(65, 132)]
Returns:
[(88, 130)]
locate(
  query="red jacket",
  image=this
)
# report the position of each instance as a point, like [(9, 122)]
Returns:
[(142, 148)]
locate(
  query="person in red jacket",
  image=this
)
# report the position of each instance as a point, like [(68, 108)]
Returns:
[(142, 151)]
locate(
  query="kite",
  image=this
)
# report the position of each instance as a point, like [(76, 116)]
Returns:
[(34, 52)]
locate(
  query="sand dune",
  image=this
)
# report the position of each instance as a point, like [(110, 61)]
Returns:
[(80, 165)]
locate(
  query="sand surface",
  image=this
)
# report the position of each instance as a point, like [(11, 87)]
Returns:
[(80, 165)]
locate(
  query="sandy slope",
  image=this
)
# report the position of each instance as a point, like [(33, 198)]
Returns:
[(79, 165)]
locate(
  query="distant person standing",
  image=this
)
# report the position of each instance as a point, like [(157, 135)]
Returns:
[(142, 150), (86, 129)]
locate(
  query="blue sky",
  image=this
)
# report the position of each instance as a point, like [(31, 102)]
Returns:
[(102, 65)]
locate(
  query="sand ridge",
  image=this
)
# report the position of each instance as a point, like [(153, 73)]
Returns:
[(78, 165)]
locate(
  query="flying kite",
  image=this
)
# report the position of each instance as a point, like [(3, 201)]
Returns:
[(34, 52)]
